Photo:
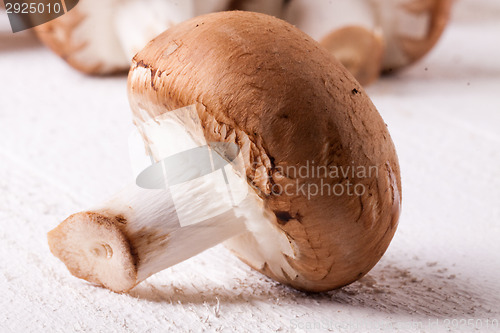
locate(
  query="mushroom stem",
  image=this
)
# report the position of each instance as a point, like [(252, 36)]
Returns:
[(177, 213), (138, 233), (180, 209)]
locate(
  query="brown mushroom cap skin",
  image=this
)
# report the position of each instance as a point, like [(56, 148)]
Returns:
[(267, 86)]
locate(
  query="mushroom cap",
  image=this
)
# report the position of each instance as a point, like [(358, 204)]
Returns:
[(360, 50), (287, 102), (412, 49)]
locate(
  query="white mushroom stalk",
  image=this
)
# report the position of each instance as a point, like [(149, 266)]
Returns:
[(185, 210)]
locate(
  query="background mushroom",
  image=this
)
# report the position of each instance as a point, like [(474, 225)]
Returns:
[(370, 36), (367, 36), (286, 102), (101, 37)]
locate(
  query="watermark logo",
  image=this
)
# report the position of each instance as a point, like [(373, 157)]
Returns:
[(30, 13), (206, 179), (187, 171), (311, 180)]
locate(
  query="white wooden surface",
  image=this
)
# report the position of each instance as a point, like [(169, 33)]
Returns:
[(63, 147)]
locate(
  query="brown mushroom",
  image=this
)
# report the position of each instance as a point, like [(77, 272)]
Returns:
[(359, 30), (101, 37), (260, 83), (413, 30)]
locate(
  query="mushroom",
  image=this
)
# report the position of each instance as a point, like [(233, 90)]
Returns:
[(306, 132), (412, 30), (101, 37), (370, 36)]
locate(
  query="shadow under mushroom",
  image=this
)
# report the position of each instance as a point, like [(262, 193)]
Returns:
[(388, 289)]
